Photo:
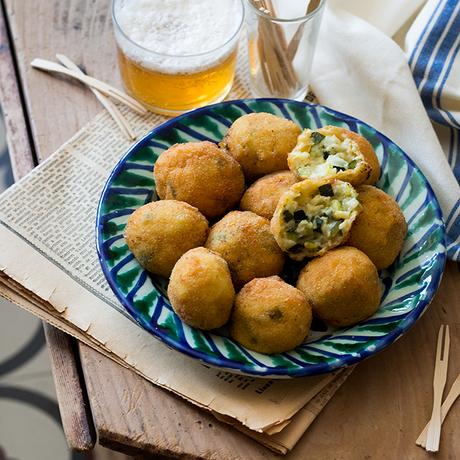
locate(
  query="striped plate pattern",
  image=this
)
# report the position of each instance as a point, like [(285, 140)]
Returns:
[(409, 284)]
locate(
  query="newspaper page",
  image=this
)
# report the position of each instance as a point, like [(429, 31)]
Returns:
[(285, 436), (47, 244)]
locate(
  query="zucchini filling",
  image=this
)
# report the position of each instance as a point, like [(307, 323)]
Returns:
[(313, 224), (316, 155)]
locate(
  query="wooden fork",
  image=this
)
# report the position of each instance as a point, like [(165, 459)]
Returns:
[(454, 393), (439, 382), (105, 101), (104, 88)]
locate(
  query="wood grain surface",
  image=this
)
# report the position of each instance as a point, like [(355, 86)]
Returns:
[(170, 426), (75, 412), (81, 29), (18, 140), (377, 414)]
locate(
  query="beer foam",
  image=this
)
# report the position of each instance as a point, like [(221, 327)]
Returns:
[(176, 28)]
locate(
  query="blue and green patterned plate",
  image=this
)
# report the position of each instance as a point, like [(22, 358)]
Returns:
[(409, 284)]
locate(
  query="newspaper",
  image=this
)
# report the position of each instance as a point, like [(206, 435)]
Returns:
[(49, 266), (285, 436)]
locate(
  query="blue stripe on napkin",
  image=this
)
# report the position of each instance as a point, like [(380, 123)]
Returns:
[(453, 228), (431, 62), (423, 34)]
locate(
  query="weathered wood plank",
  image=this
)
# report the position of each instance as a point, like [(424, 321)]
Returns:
[(74, 409), (81, 29), (17, 138), (134, 416)]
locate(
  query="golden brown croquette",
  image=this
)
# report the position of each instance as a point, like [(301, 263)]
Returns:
[(200, 174), (342, 287), (263, 195), (314, 216), (200, 289), (260, 142), (158, 233), (380, 229), (333, 152), (244, 240), (270, 316)]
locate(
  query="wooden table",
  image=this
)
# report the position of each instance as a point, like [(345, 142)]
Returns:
[(377, 414)]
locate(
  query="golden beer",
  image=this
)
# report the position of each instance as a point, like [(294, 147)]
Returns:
[(177, 55), (177, 92)]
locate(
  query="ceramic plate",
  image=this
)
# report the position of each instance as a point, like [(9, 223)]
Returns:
[(409, 284)]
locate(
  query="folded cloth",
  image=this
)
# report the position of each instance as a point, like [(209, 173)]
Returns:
[(388, 16), (432, 46), (360, 71)]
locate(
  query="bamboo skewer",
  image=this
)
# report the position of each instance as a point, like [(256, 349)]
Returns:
[(295, 40), (273, 47), (104, 88), (276, 54), (105, 101), (439, 382), (454, 393), (279, 31), (264, 67)]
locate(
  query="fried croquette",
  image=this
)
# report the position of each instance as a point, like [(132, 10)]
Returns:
[(342, 286), (200, 289), (263, 195), (314, 216), (200, 174), (334, 152), (380, 229), (158, 233), (244, 240), (260, 142), (270, 316)]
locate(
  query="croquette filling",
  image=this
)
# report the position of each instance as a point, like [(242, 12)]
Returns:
[(311, 224), (317, 156)]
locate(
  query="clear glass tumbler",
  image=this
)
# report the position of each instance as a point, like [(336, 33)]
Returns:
[(168, 64), (282, 37)]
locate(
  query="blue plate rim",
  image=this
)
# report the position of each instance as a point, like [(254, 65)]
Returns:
[(380, 343)]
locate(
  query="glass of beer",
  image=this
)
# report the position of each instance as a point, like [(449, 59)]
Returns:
[(177, 55)]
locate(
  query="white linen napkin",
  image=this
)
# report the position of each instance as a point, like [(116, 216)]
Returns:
[(432, 46), (360, 71), (388, 16)]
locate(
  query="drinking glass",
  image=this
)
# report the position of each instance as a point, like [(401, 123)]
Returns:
[(174, 83), (281, 48)]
